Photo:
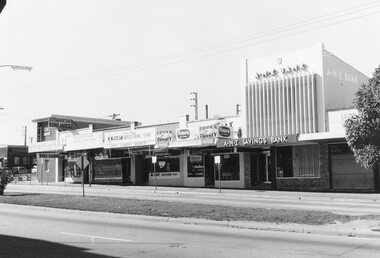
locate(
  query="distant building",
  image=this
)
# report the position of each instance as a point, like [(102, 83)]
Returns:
[(16, 156)]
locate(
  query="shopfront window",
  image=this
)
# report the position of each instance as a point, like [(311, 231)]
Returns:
[(25, 160), (17, 160), (195, 166), (284, 161), (229, 167), (46, 165), (72, 170), (167, 164), (298, 161)]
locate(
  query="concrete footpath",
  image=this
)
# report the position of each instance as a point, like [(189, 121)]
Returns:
[(341, 203)]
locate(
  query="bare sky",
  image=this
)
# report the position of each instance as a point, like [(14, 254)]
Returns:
[(142, 58)]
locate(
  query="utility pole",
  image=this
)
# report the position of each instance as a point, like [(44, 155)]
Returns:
[(24, 133), (195, 105), (206, 106)]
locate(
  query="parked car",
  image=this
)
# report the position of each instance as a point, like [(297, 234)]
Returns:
[(19, 170), (34, 169)]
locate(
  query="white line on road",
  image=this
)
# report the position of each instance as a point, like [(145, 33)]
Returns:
[(99, 237)]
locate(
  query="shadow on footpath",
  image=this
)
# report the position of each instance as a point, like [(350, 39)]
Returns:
[(20, 194), (12, 246)]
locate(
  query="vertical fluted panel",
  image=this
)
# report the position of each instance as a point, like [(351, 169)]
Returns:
[(248, 102), (257, 114), (313, 103), (281, 105), (272, 107), (275, 117)]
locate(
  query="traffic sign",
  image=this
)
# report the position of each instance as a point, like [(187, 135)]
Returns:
[(82, 162)]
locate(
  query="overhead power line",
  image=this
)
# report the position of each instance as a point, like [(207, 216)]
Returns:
[(228, 46)]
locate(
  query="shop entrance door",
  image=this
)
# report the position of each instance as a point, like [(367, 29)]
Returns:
[(260, 170), (209, 171)]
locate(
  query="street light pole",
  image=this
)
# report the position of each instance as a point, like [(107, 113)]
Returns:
[(18, 67), (154, 161)]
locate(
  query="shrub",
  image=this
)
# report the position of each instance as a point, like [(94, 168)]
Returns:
[(6, 177)]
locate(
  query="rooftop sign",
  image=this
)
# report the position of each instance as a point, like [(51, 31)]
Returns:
[(60, 123)]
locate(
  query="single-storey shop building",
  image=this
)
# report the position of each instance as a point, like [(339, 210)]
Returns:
[(290, 136)]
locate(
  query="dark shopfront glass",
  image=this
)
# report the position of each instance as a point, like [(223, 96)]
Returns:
[(284, 161), (196, 166), (71, 169), (229, 167), (167, 164)]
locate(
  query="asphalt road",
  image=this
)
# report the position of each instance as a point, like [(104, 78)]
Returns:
[(352, 204), (41, 232)]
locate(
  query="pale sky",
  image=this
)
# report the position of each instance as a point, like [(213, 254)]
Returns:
[(142, 58)]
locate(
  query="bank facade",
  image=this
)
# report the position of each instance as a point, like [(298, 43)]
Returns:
[(290, 136)]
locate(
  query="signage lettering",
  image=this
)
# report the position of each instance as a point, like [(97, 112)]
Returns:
[(165, 136), (343, 76), (280, 139), (224, 131), (247, 142), (231, 143), (254, 141), (287, 70), (208, 131), (183, 134), (59, 122)]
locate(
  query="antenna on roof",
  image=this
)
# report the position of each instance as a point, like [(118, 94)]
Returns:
[(114, 116)]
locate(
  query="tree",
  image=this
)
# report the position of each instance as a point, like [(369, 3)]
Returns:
[(6, 177), (2, 4), (363, 130)]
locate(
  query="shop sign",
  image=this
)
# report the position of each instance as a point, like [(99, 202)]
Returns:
[(288, 70), (224, 132), (48, 155), (183, 134), (227, 143), (210, 131), (257, 141), (196, 142), (342, 75), (83, 141), (166, 174), (46, 131), (130, 138), (165, 136), (59, 122)]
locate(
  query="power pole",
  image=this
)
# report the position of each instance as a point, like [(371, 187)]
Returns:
[(24, 134), (195, 105)]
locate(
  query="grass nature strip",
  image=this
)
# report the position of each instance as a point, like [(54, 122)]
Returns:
[(176, 209)]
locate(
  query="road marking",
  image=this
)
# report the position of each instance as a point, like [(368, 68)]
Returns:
[(99, 237)]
